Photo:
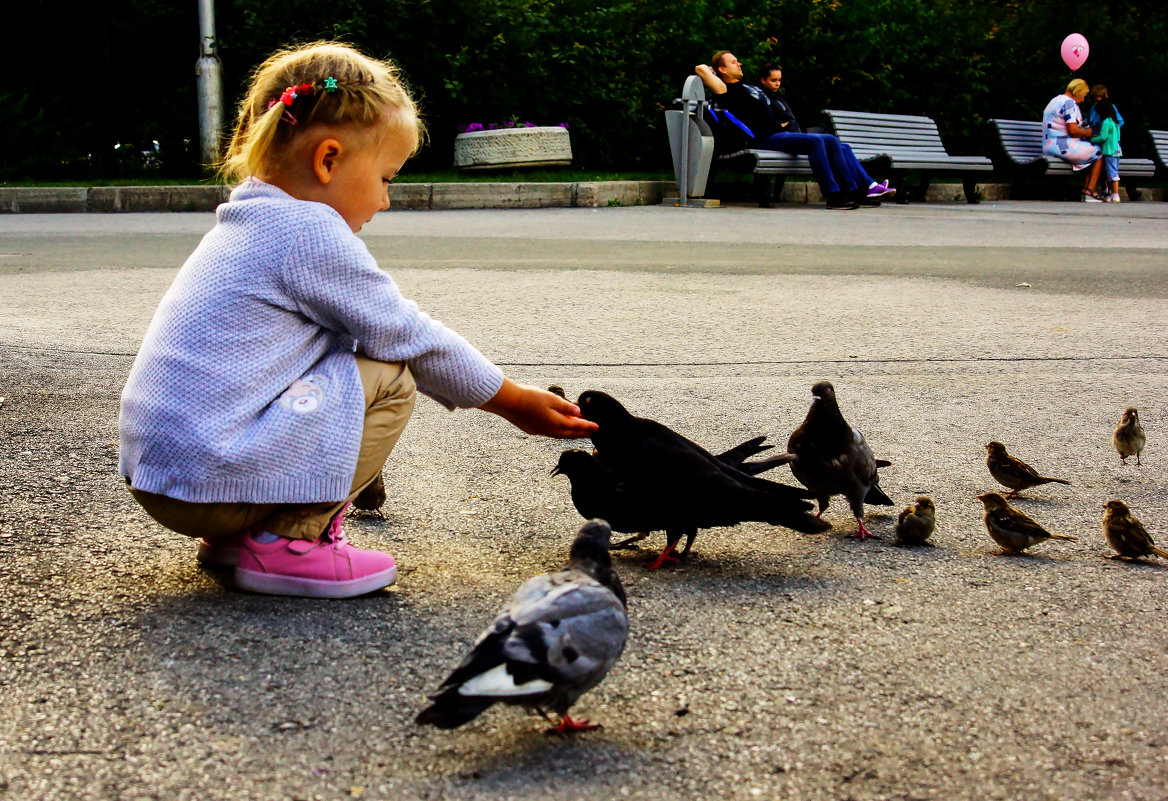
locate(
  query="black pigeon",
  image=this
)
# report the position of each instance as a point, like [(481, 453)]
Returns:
[(661, 480), (832, 458), (558, 637), (735, 457)]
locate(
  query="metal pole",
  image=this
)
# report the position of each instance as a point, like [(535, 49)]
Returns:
[(210, 86), (683, 178)]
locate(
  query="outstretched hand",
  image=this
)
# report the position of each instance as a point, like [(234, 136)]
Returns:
[(537, 411)]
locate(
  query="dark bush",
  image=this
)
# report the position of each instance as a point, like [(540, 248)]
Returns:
[(122, 72)]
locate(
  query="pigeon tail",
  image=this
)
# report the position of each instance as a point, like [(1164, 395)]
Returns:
[(451, 710), (739, 453), (762, 465), (876, 497), (798, 520)]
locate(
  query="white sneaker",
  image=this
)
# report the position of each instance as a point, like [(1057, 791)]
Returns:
[(1113, 198)]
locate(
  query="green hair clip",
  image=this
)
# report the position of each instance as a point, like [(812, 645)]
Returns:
[(330, 84)]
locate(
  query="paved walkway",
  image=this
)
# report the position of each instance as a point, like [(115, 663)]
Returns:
[(772, 665)]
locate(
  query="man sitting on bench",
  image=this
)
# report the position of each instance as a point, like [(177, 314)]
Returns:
[(771, 126)]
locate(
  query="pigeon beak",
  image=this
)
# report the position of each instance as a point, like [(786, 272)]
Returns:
[(556, 470)]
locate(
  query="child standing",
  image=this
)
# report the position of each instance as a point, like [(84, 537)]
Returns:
[(1099, 92), (1107, 137), (280, 367)]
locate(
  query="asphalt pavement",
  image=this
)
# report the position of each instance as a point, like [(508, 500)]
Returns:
[(771, 665)]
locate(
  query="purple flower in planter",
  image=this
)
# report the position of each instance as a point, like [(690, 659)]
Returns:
[(511, 123)]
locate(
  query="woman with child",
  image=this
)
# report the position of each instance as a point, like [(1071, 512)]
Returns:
[(1064, 137)]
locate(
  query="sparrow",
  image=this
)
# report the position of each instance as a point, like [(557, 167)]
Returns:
[(558, 637), (1129, 436), (1015, 531), (832, 458), (1012, 473), (916, 523), (371, 498), (556, 389), (675, 484), (1126, 534)]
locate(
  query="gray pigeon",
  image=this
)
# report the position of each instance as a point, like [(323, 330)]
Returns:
[(558, 637), (832, 458)]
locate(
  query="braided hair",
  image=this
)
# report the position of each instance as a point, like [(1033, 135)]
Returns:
[(325, 83)]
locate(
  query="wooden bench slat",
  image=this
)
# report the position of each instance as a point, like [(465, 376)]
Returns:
[(909, 142), (1160, 147)]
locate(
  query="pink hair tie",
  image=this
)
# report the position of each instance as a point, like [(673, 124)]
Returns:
[(288, 97)]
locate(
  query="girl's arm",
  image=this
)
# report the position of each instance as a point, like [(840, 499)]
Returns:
[(537, 411)]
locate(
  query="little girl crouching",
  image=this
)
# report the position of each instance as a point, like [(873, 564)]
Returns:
[(280, 367)]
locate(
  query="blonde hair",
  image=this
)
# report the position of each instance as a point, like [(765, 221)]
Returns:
[(1077, 88), (333, 84)]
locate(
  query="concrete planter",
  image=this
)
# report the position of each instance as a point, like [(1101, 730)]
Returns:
[(508, 148)]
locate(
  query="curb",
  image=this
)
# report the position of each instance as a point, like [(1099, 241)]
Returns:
[(428, 197), (485, 195)]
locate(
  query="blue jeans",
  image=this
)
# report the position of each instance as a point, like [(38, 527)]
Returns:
[(834, 165), (1111, 164)]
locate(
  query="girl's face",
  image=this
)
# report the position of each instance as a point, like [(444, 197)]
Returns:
[(362, 171)]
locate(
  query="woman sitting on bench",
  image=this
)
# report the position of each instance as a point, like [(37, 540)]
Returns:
[(1064, 137), (771, 126)]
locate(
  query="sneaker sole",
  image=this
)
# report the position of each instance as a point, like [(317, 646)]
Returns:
[(268, 584), (217, 556)]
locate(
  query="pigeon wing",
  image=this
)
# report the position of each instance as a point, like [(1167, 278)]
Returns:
[(571, 635)]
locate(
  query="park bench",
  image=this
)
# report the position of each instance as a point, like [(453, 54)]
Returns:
[(908, 143), (709, 139), (1021, 142), (770, 168), (1160, 149)]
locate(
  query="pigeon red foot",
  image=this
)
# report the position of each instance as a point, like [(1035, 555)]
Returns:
[(666, 556), (570, 726), (862, 533)]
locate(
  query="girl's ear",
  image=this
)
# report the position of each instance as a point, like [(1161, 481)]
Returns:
[(324, 160)]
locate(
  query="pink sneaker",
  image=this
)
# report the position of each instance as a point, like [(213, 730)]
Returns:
[(328, 568), (221, 551)]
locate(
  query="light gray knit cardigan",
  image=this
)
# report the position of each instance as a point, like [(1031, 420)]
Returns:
[(246, 386)]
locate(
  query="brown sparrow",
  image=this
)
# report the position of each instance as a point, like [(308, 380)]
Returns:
[(1015, 531), (1014, 474), (371, 499), (916, 523), (1129, 436), (1126, 534)]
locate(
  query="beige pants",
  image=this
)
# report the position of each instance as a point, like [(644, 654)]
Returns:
[(389, 401)]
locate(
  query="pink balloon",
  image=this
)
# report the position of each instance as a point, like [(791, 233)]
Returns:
[(1075, 50)]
